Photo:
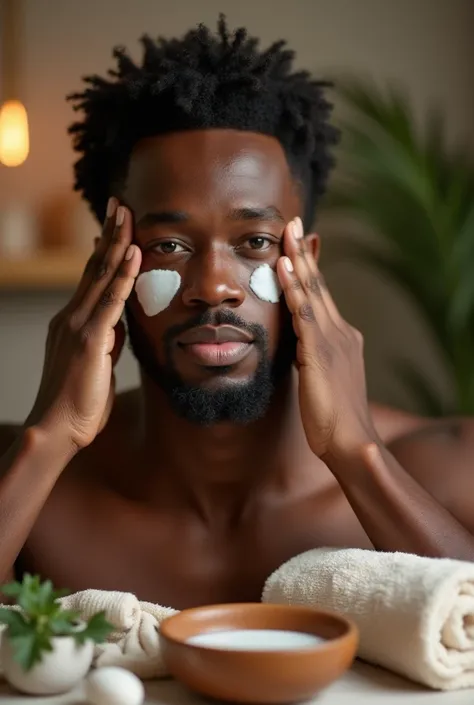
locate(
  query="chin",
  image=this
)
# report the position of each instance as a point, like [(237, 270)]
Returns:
[(218, 378)]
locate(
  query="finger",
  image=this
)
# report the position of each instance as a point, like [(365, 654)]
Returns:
[(96, 257), (304, 266), (109, 308), (307, 271), (110, 263), (304, 316)]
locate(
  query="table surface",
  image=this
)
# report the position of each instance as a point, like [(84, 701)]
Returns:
[(362, 685)]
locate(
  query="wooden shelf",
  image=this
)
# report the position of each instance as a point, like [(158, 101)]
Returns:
[(45, 271)]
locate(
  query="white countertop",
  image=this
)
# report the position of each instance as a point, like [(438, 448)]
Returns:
[(362, 685)]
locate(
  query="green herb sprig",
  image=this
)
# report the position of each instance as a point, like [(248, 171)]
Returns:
[(39, 618)]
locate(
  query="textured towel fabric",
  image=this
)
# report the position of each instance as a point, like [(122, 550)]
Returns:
[(135, 642), (415, 615)]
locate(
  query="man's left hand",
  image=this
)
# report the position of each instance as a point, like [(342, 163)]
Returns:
[(332, 387)]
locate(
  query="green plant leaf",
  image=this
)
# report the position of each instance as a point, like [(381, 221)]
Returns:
[(12, 589), (64, 622), (45, 595), (388, 108), (413, 191), (41, 617), (461, 309), (463, 247), (14, 620), (28, 649), (34, 597), (428, 300), (97, 629)]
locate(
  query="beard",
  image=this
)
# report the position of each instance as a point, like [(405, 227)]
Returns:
[(237, 402)]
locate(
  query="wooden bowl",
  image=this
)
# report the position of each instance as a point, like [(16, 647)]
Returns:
[(263, 676)]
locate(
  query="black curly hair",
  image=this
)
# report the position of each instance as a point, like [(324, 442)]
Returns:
[(202, 80)]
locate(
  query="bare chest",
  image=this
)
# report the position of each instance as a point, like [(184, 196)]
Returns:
[(103, 542)]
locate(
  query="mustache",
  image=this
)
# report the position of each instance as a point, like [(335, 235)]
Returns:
[(222, 317)]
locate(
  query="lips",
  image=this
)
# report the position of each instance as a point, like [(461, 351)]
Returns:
[(215, 334), (216, 346)]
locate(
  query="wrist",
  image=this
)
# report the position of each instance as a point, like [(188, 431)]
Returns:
[(49, 444), (352, 452)]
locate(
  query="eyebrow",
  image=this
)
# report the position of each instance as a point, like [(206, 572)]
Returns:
[(150, 219), (269, 214)]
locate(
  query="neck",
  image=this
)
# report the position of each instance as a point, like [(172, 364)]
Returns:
[(224, 460)]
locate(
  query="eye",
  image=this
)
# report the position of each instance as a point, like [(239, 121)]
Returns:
[(259, 243), (169, 248)]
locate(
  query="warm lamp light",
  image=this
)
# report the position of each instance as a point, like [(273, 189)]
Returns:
[(14, 137)]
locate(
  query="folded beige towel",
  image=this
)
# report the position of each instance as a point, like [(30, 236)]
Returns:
[(135, 642), (415, 615)]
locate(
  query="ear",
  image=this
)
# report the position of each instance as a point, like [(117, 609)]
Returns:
[(313, 243)]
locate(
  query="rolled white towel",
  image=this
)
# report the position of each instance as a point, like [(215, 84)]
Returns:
[(415, 615), (135, 642)]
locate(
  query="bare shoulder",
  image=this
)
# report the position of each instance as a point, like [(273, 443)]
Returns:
[(122, 419), (440, 456), (392, 424)]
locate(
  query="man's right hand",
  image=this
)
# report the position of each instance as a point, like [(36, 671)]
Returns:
[(85, 340)]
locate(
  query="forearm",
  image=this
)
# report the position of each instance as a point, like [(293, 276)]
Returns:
[(28, 472), (394, 510)]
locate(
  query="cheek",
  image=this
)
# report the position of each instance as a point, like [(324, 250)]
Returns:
[(156, 289), (265, 285)]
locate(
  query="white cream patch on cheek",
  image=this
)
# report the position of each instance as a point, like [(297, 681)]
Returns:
[(156, 289), (264, 284)]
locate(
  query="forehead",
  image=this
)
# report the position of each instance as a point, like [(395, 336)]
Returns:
[(210, 166)]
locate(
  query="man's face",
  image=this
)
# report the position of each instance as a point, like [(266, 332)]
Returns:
[(212, 205)]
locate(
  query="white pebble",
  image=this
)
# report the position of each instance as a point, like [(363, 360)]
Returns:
[(112, 685)]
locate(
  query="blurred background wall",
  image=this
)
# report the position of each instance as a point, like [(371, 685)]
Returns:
[(426, 44)]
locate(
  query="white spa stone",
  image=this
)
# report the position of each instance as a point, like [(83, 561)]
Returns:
[(112, 685), (156, 289), (256, 640), (264, 284)]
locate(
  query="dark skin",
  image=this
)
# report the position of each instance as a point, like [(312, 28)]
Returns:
[(123, 494)]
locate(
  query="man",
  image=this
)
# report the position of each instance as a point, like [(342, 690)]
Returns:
[(250, 439)]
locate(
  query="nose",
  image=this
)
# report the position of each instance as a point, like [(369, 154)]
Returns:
[(211, 281)]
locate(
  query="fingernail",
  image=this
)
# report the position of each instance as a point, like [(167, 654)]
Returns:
[(129, 253), (298, 228), (120, 215), (288, 264), (111, 206)]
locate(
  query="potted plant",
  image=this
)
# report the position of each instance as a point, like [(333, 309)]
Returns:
[(401, 179), (45, 649)]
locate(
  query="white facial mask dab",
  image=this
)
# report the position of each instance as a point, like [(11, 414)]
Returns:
[(264, 284), (156, 289)]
